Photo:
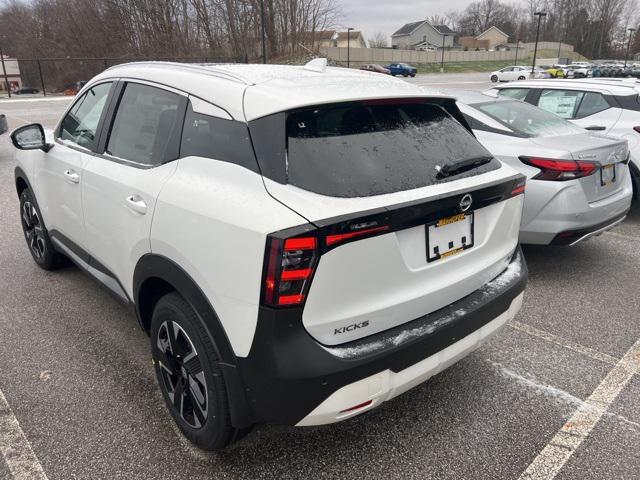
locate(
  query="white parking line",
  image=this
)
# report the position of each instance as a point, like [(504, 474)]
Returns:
[(562, 446), (15, 448), (576, 347)]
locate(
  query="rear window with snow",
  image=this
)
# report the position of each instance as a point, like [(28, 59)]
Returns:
[(360, 149)]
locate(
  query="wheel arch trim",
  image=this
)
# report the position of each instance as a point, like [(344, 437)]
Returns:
[(153, 266), (20, 175)]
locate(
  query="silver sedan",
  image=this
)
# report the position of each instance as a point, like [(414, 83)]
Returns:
[(578, 182)]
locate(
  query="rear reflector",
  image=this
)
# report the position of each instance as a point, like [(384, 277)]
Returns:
[(357, 407), (560, 170), (341, 237)]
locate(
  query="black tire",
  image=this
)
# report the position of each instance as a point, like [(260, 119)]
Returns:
[(35, 233), (405, 75), (413, 75), (177, 332), (521, 77), (494, 78)]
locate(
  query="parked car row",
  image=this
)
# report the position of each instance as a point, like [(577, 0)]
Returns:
[(521, 72)]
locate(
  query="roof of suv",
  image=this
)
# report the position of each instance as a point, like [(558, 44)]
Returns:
[(252, 91), (614, 86)]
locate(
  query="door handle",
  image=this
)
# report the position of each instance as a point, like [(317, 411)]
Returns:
[(137, 204), (597, 128), (72, 176)]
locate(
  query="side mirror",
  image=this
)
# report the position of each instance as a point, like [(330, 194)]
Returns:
[(30, 137)]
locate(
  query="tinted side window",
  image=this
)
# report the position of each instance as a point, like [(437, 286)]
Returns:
[(592, 103), (563, 103), (217, 138), (146, 127), (517, 93), (81, 123)]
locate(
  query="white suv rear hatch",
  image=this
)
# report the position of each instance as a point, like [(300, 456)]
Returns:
[(414, 213)]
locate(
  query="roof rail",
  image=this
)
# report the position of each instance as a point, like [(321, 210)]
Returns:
[(204, 68)]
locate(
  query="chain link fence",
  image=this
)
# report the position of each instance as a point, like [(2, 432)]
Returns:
[(60, 76)]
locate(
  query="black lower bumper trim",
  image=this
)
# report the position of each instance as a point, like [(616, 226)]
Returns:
[(570, 237), (287, 373)]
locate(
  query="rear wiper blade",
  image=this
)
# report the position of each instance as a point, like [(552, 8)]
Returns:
[(462, 165)]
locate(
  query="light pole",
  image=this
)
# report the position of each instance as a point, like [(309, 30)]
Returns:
[(4, 69), (444, 37), (626, 55), (348, 45), (515, 62), (535, 49), (264, 42)]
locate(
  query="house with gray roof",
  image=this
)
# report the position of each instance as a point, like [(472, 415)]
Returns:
[(422, 36)]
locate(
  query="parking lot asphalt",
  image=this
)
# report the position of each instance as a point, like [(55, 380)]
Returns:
[(556, 391)]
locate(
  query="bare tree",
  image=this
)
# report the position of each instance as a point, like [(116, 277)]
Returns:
[(379, 40)]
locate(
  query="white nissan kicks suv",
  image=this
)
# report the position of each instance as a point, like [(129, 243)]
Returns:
[(300, 243)]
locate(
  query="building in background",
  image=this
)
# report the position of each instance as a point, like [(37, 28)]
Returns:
[(472, 43), (495, 36), (333, 38), (13, 75), (422, 36)]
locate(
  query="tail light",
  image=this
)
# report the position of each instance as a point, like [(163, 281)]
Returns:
[(519, 188), (289, 268), (290, 263), (560, 170)]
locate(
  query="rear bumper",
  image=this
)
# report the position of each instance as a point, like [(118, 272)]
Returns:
[(573, 237), (550, 214), (291, 379)]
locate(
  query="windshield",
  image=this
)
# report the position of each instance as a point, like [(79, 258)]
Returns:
[(360, 149), (527, 119)]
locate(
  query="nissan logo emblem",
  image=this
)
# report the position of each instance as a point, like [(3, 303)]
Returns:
[(465, 202)]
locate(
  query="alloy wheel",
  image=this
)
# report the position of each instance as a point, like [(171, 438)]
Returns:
[(33, 230), (182, 375)]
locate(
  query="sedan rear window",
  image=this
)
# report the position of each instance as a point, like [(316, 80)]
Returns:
[(526, 119), (361, 149)]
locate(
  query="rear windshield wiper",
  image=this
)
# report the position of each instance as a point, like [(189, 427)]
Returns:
[(462, 166)]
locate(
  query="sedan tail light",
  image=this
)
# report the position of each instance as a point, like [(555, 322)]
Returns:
[(560, 170)]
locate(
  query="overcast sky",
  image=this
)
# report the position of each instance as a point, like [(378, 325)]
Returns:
[(387, 16)]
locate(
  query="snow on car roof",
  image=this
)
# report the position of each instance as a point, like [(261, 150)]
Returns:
[(250, 91)]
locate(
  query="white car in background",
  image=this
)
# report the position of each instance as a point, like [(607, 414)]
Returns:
[(578, 182), (607, 105), (579, 71), (301, 244), (518, 72), (508, 74)]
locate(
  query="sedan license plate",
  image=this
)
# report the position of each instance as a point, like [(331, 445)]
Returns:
[(449, 236), (607, 175)]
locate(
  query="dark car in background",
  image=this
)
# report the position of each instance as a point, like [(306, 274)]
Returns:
[(374, 67), (26, 91), (403, 69)]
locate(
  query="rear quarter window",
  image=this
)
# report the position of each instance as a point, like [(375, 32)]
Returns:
[(361, 149)]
